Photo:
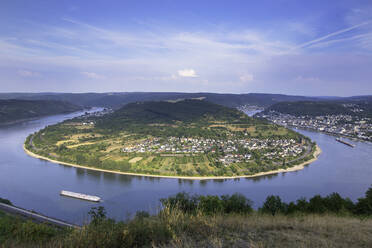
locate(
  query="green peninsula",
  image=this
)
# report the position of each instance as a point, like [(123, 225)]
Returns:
[(180, 138)]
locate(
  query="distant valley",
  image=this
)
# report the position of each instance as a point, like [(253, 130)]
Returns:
[(15, 110), (352, 118)]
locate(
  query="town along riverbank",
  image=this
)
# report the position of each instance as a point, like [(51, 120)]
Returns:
[(300, 166)]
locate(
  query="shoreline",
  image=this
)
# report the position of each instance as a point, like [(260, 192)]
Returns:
[(355, 139), (301, 166), (13, 122)]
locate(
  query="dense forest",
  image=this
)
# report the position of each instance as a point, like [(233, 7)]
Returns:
[(321, 108), (183, 111), (13, 110)]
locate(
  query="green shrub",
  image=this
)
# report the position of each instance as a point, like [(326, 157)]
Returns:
[(14, 230), (227, 204), (273, 205), (364, 205), (5, 201), (237, 203)]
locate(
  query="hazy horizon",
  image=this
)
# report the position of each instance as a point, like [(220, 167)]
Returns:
[(182, 92)]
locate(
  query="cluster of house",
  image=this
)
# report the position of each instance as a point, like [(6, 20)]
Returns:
[(98, 113), (86, 117), (345, 125), (230, 150)]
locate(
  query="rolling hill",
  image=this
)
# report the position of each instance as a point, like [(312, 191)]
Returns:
[(358, 107), (16, 110), (119, 99), (186, 111)]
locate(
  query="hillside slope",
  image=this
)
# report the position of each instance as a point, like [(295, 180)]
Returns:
[(185, 111), (361, 108), (15, 110), (309, 108)]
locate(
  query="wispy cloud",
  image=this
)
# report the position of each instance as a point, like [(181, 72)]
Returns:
[(246, 78), (187, 73), (333, 34), (92, 75), (204, 60)]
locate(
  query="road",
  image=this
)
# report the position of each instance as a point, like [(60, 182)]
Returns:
[(34, 216)]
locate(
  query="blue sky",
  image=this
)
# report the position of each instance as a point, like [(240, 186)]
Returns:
[(279, 46)]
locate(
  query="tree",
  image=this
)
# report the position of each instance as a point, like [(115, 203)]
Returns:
[(273, 205), (237, 203), (316, 205), (210, 204), (336, 204), (5, 201), (97, 215), (182, 201), (364, 205)]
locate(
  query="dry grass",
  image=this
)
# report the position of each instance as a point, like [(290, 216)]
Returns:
[(114, 145), (267, 231), (174, 228), (63, 141), (134, 160), (83, 144)]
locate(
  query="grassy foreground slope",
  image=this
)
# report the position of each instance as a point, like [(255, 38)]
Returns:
[(173, 138), (175, 230), (212, 221), (14, 110)]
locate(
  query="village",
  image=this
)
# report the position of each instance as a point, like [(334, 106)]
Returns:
[(343, 125), (227, 151)]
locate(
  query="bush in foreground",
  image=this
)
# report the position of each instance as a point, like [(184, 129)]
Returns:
[(212, 221), (209, 205)]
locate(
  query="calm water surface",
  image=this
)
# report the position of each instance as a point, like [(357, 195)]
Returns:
[(35, 184)]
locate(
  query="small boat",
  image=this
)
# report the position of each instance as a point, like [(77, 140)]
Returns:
[(80, 196), (344, 142)]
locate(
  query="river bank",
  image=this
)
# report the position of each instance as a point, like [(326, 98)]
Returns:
[(293, 168), (337, 169), (353, 138)]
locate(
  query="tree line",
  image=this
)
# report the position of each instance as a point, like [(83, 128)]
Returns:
[(239, 204)]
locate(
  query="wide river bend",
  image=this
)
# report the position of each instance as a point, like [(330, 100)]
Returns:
[(35, 184)]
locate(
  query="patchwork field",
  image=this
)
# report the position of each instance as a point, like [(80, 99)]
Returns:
[(217, 142)]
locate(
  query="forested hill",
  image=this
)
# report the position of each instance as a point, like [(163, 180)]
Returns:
[(15, 110), (185, 111), (321, 108), (119, 99)]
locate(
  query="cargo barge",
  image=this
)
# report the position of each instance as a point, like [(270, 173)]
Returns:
[(344, 142), (80, 196)]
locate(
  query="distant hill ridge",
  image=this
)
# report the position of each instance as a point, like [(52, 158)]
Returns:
[(319, 108), (15, 110), (116, 100)]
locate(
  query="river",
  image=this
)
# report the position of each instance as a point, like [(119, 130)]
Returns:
[(35, 184)]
